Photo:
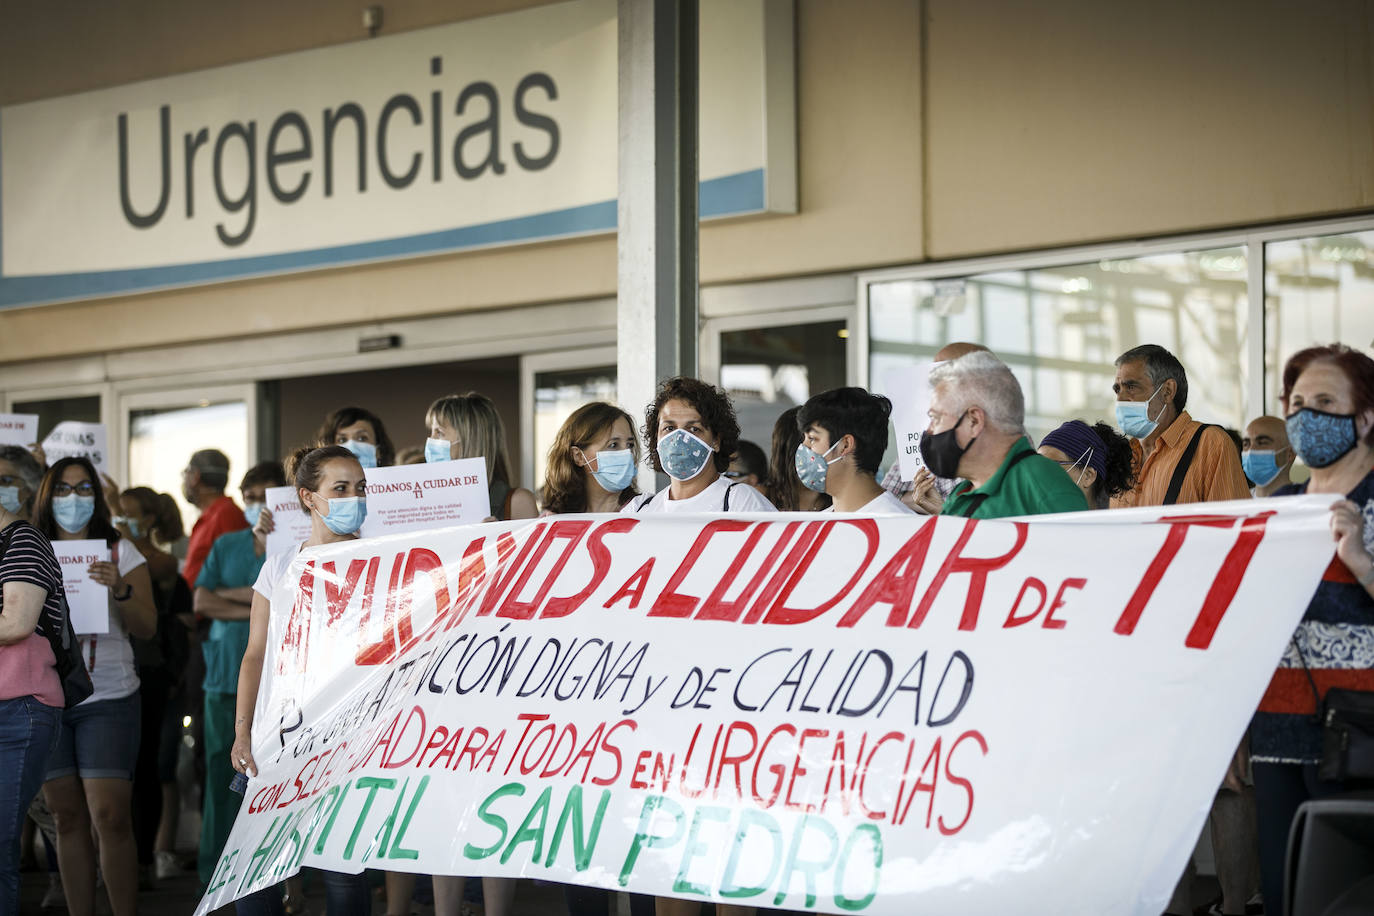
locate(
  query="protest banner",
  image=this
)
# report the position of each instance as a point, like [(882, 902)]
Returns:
[(88, 600), (72, 439), (908, 388), (413, 497), (290, 523), (837, 714), (18, 429)]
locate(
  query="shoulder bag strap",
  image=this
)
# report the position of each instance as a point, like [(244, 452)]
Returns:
[(725, 504), (1181, 471), (1316, 694)]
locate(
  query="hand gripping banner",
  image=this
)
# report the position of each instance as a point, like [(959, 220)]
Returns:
[(810, 711)]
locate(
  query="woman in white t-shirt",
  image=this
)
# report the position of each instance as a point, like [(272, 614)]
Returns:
[(90, 773), (331, 487), (691, 431)]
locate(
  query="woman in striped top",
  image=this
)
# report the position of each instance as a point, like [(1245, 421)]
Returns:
[(1328, 398)]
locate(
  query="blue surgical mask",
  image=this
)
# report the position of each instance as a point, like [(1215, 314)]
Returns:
[(614, 469), (812, 467), (682, 455), (252, 512), (127, 522), (1260, 465), (73, 512), (1133, 417), (9, 499), (1320, 438), (438, 450), (346, 514), (366, 452)]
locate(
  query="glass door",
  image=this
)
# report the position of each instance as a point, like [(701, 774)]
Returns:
[(552, 386)]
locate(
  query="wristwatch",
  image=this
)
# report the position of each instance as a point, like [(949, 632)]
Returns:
[(128, 593)]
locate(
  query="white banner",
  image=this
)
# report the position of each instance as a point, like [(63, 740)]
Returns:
[(290, 523), (88, 600), (19, 429), (885, 715), (73, 439), (490, 131), (413, 497)]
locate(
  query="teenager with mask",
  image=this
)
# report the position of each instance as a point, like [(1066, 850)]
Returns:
[(1266, 456), (90, 774), (591, 464), (362, 433), (1328, 399), (1097, 457), (784, 489), (331, 487), (469, 426), (691, 431), (844, 435)]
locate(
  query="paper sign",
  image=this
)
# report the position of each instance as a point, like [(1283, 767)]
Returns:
[(416, 497), (908, 388), (71, 438), (292, 525), (18, 429), (886, 715), (89, 600)]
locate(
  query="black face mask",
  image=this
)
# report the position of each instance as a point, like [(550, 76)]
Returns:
[(941, 451)]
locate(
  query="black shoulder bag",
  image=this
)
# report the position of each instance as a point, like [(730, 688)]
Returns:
[(66, 648), (1347, 721)]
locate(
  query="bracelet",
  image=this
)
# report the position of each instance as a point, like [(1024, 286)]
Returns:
[(128, 593), (1367, 579)]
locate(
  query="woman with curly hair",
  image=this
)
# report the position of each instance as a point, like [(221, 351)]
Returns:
[(1097, 457), (691, 431)]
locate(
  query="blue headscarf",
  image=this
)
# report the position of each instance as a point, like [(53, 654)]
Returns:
[(1081, 444)]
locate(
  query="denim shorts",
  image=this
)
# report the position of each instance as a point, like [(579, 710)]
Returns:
[(99, 740)]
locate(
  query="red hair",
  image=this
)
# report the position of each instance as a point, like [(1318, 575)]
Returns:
[(1357, 367)]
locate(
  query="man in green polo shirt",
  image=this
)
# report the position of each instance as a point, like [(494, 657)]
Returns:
[(977, 432), (224, 593)]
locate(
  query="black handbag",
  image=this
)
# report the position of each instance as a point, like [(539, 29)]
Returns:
[(1347, 721), (66, 648)]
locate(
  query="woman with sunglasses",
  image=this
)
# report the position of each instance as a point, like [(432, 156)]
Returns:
[(90, 774)]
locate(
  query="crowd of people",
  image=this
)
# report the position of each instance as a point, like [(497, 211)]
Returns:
[(91, 750)]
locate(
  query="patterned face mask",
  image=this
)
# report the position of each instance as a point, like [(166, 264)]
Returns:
[(1320, 438), (682, 455)]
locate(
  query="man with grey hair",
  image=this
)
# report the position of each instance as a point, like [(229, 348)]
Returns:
[(977, 432), (203, 483)]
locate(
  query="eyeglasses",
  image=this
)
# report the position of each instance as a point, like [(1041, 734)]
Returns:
[(81, 489)]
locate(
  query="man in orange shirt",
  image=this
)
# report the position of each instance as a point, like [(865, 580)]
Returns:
[(1181, 461), (1178, 459), (202, 483)]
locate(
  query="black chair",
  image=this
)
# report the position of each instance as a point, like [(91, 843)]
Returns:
[(1330, 868)]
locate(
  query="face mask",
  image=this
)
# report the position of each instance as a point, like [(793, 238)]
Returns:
[(251, 512), (438, 450), (9, 499), (73, 512), (811, 467), (1260, 465), (1319, 438), (1133, 417), (683, 455), (346, 514), (941, 451), (127, 522), (366, 452), (614, 470)]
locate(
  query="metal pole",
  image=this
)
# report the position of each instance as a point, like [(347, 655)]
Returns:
[(656, 326)]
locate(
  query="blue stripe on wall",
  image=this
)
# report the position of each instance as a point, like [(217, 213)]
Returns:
[(730, 195)]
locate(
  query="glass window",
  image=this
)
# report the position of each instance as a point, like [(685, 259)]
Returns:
[(1060, 329), (1318, 291), (767, 370), (557, 393), (162, 440), (53, 411)]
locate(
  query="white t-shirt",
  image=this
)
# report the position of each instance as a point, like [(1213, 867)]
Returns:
[(885, 504), (109, 656), (273, 569), (743, 498)]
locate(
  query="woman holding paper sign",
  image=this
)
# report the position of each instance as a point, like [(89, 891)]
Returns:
[(469, 426), (90, 774), (332, 488)]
